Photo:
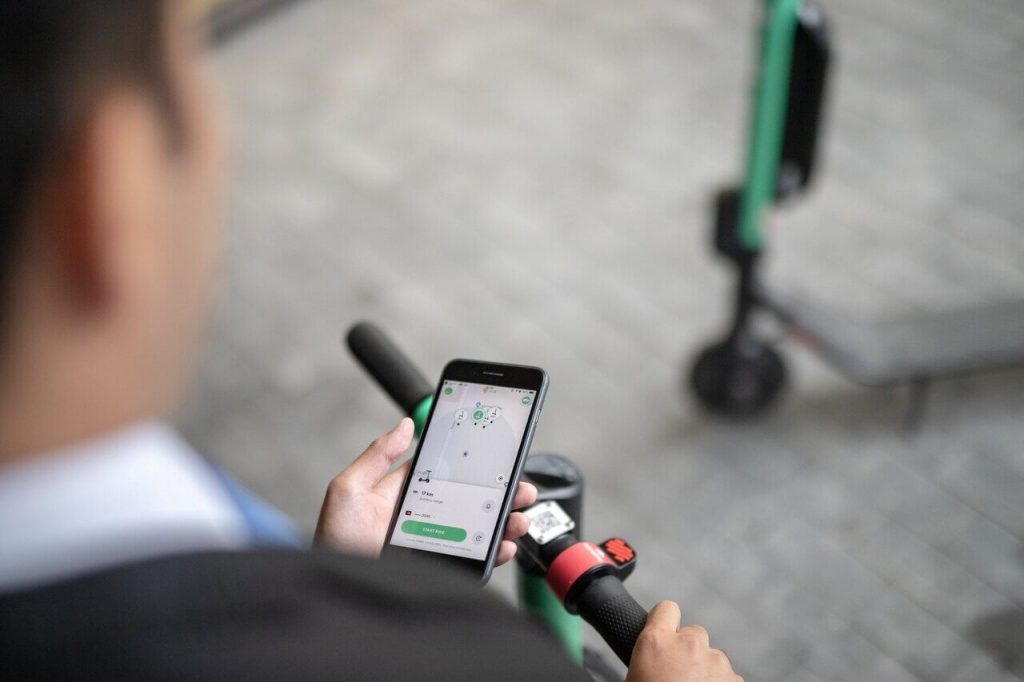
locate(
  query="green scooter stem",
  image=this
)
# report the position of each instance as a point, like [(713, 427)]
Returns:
[(540, 603), (768, 121)]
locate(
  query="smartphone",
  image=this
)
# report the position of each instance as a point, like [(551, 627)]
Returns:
[(458, 494)]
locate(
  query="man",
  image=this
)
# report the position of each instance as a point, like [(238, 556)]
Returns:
[(122, 552)]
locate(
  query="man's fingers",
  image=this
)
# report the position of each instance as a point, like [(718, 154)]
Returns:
[(664, 616), (697, 634), (526, 494), (371, 466), (506, 553), (518, 524)]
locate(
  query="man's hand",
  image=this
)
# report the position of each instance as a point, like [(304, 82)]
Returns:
[(664, 651), (361, 499)]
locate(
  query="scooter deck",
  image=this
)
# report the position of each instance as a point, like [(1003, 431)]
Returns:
[(899, 351)]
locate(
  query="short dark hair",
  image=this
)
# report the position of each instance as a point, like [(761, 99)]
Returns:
[(55, 56)]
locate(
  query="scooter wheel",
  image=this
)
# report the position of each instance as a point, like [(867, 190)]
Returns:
[(739, 377)]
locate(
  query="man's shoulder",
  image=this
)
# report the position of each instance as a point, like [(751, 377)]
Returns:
[(272, 574), (271, 614)]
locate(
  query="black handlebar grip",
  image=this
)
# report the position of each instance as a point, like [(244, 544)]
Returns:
[(613, 612), (388, 365)]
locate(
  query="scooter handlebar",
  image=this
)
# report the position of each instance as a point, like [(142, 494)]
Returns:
[(614, 614), (388, 365)]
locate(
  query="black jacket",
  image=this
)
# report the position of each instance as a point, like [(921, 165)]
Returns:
[(271, 615)]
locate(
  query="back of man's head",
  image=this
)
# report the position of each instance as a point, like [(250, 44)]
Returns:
[(54, 56), (108, 172)]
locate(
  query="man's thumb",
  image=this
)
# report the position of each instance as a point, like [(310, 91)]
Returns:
[(371, 466)]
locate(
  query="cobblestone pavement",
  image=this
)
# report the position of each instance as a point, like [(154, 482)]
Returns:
[(529, 181)]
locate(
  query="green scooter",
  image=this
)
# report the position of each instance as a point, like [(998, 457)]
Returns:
[(743, 374)]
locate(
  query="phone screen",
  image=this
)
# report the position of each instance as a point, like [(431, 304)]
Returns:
[(461, 477)]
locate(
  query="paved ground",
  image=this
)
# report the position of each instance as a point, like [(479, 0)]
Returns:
[(529, 182)]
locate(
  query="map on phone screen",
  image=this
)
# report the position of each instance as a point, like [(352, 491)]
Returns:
[(466, 460)]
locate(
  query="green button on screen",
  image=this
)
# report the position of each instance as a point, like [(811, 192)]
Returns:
[(433, 530)]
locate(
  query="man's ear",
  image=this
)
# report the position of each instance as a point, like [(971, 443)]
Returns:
[(107, 199)]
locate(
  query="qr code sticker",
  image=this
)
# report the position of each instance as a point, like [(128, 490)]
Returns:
[(546, 522)]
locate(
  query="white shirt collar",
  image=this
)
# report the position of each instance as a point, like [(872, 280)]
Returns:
[(135, 494)]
